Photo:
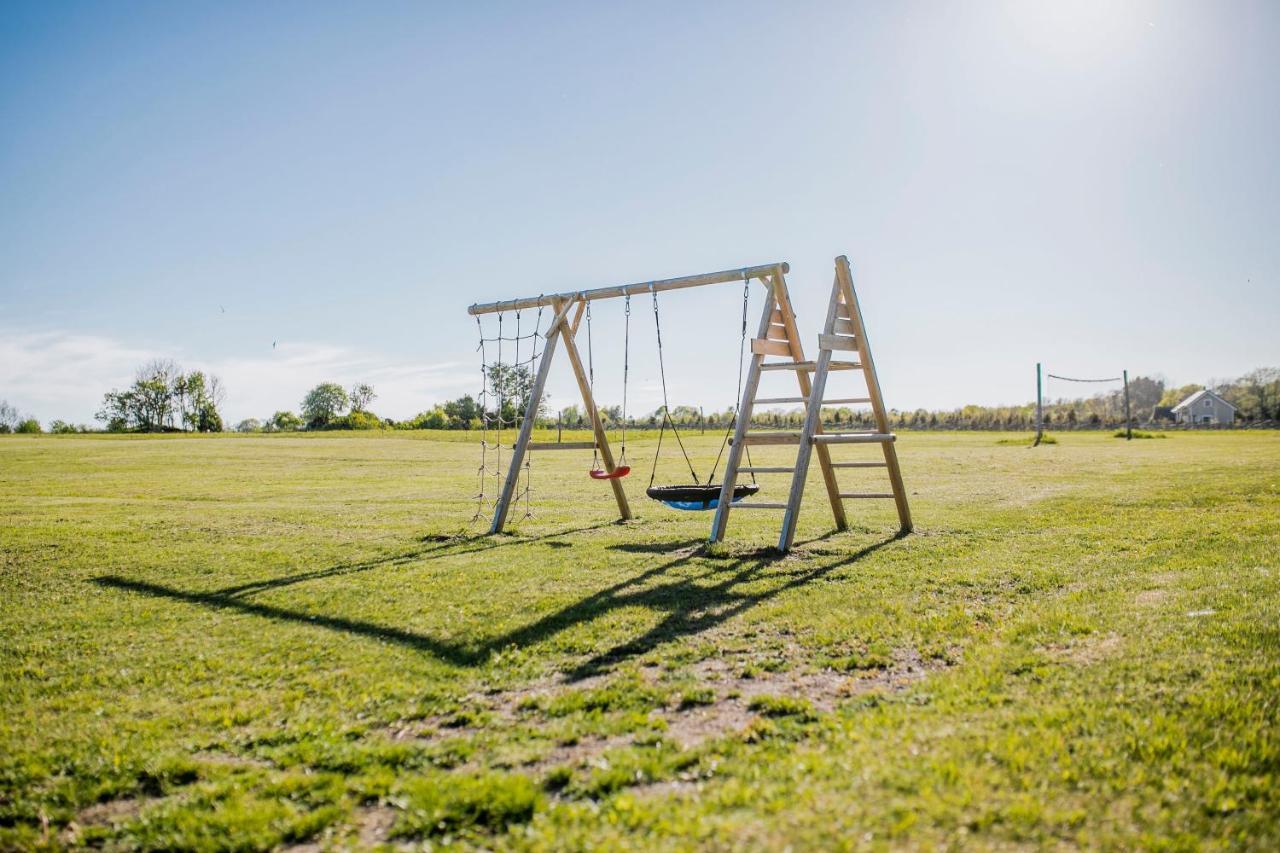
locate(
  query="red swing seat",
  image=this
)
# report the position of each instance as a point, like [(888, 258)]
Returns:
[(618, 473)]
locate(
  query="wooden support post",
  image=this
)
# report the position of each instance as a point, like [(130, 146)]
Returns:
[(602, 439), (802, 377), (530, 414), (1128, 422), (1039, 408), (812, 423), (845, 278)]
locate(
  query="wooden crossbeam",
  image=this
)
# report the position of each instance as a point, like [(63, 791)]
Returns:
[(721, 277), (562, 445)]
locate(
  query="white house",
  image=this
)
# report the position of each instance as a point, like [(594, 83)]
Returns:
[(1204, 407)]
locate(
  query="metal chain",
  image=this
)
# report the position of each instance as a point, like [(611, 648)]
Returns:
[(666, 406)]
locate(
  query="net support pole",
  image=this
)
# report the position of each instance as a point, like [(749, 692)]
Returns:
[(526, 427), (1128, 422), (1039, 408)]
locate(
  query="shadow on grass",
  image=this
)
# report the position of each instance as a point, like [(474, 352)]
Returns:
[(692, 603), (454, 546)]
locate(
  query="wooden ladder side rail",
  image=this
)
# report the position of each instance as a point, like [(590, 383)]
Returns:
[(844, 277), (802, 377), (530, 413), (749, 387), (812, 423), (597, 425)]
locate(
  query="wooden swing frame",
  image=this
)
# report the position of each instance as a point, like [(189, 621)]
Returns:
[(777, 311)]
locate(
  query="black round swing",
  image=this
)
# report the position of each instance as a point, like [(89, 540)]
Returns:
[(697, 496)]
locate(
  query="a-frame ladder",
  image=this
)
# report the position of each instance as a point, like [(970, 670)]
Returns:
[(843, 330), (777, 335)]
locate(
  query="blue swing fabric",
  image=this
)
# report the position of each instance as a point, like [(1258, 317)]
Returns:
[(698, 498)]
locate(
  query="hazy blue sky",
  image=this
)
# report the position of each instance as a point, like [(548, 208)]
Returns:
[(1094, 186)]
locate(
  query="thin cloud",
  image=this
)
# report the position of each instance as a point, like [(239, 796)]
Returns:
[(59, 374)]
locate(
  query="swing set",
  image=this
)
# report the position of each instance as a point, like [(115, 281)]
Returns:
[(777, 336)]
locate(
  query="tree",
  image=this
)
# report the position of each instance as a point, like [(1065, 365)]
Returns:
[(29, 426), (512, 385), (9, 417), (1174, 396), (462, 412), (361, 396), (198, 398), (154, 387), (285, 422), (162, 397), (323, 403), (58, 427), (249, 425)]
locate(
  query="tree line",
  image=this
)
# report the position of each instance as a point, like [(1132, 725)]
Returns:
[(165, 398)]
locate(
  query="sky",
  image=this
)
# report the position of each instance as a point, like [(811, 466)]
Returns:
[(289, 193)]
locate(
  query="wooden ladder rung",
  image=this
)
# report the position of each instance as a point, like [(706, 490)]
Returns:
[(854, 437), (842, 312), (837, 342), (758, 506), (859, 464), (810, 366), (771, 438), (833, 401), (756, 469), (848, 495), (561, 445), (777, 332), (764, 346), (843, 327)]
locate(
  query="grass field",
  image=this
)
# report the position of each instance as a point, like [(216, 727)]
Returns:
[(246, 642)]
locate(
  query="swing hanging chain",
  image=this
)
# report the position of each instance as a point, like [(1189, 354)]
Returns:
[(737, 408), (591, 385), (626, 369), (666, 406)]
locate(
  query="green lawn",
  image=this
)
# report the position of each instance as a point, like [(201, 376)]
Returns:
[(247, 642)]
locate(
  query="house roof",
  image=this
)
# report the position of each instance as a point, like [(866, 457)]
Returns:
[(1196, 397)]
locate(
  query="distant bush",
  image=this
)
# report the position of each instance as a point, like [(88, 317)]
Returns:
[(358, 420), (249, 425), (63, 428), (433, 419), (30, 426), (284, 422)]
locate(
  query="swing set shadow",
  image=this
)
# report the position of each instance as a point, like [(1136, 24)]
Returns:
[(691, 604)]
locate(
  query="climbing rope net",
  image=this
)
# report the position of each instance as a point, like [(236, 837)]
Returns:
[(504, 396)]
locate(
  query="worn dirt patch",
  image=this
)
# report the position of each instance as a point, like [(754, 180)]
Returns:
[(735, 679), (1151, 597), (109, 813), (579, 754), (373, 825), (823, 689), (1087, 651)]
